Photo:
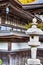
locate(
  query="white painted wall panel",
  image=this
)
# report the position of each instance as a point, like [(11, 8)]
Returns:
[(41, 46), (3, 46), (16, 46)]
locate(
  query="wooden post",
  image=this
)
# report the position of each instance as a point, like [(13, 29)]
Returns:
[(9, 55), (9, 46)]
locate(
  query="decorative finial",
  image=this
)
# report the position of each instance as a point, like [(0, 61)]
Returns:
[(34, 20)]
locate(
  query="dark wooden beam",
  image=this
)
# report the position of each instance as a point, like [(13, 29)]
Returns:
[(32, 6), (17, 39), (19, 11), (9, 46), (22, 13), (28, 15), (36, 11), (13, 39), (3, 4), (16, 3)]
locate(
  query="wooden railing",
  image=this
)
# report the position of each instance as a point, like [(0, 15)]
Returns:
[(19, 57)]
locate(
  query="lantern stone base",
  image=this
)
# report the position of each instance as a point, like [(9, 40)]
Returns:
[(33, 62)]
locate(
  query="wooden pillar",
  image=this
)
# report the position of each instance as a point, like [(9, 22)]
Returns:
[(9, 46), (9, 55)]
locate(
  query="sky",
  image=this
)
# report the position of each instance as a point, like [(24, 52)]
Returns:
[(39, 1)]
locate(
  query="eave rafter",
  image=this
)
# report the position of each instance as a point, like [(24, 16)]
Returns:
[(18, 10), (3, 4), (16, 3), (22, 12), (37, 11), (32, 6)]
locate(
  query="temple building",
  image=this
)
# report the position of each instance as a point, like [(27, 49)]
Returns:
[(15, 15)]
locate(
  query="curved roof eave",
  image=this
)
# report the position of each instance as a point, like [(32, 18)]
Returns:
[(32, 6), (20, 11), (28, 15)]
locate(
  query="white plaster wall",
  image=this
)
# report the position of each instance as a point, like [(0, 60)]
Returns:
[(41, 46), (3, 46), (17, 46)]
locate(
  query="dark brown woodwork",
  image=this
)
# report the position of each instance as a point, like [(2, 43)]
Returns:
[(9, 46), (21, 57), (36, 11), (19, 11), (13, 40), (16, 2), (32, 6)]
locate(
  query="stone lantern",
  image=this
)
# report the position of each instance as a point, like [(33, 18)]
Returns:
[(34, 34)]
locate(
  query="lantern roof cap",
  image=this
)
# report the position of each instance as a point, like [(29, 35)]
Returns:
[(34, 30)]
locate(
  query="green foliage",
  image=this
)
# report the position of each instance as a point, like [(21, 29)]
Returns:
[(0, 61), (28, 25), (38, 25)]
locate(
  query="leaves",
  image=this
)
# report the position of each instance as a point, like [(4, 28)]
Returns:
[(28, 25), (38, 25), (0, 61), (26, 1)]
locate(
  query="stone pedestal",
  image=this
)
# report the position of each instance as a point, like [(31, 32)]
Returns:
[(33, 62), (33, 52)]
